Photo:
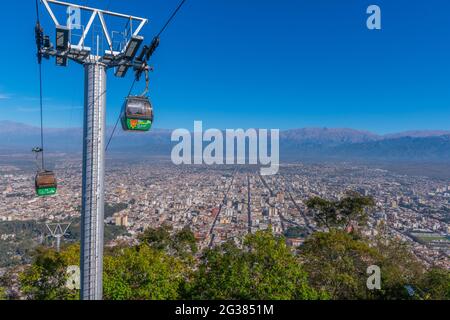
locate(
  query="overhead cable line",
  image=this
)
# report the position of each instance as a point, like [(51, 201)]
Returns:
[(39, 41), (145, 55), (171, 18), (118, 119)]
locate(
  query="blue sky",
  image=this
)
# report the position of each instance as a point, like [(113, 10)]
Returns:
[(264, 64)]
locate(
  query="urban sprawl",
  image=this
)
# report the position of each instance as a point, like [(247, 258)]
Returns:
[(225, 203)]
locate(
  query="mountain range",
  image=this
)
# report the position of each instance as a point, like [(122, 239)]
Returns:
[(306, 143)]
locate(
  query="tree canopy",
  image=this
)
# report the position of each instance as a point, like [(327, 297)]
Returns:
[(46, 278), (2, 293), (142, 273), (181, 243), (264, 268), (350, 210)]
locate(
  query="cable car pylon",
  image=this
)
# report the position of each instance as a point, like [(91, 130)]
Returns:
[(94, 124), (58, 231)]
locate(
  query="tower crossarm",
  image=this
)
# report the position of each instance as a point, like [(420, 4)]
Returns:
[(64, 50)]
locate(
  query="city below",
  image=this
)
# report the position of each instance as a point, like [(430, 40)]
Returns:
[(223, 203)]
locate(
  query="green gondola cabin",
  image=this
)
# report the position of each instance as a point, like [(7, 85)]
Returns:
[(46, 184), (137, 114)]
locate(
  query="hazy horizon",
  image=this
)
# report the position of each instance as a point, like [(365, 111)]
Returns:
[(110, 126)]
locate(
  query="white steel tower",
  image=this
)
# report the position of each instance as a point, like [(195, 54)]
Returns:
[(95, 65)]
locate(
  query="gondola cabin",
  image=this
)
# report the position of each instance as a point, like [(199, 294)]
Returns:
[(137, 114), (45, 183)]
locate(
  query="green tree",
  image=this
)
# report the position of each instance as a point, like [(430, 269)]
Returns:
[(435, 284), (340, 214), (6, 284), (2, 294), (157, 238), (184, 242), (402, 270), (181, 243), (264, 268), (399, 267), (142, 273), (46, 278), (337, 262)]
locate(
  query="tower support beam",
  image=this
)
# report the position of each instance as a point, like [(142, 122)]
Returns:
[(92, 212)]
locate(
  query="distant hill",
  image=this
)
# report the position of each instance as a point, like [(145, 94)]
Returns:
[(315, 143), (417, 134), (433, 148), (22, 138), (328, 136)]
